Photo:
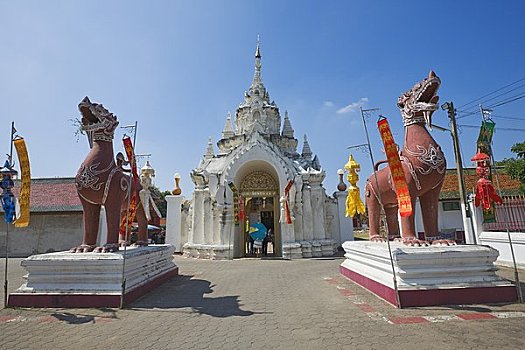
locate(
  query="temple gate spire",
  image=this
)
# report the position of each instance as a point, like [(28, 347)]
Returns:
[(227, 132), (287, 126)]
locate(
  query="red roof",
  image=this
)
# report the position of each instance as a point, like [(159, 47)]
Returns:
[(450, 189), (52, 194)]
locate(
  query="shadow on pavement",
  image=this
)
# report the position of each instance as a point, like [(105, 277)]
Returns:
[(185, 292), (72, 318)]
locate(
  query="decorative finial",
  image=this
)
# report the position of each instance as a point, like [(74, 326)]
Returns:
[(177, 190), (258, 51), (341, 186)]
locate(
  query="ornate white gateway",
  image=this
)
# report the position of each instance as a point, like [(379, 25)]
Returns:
[(259, 182)]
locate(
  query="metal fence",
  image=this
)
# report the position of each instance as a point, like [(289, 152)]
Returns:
[(510, 215)]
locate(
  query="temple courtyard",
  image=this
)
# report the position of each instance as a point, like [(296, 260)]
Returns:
[(262, 304)]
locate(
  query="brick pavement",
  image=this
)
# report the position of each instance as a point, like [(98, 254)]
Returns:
[(261, 304)]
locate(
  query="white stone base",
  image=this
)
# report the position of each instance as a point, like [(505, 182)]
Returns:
[(434, 275), (306, 249), (66, 279), (208, 251), (292, 250), (316, 249), (327, 247)]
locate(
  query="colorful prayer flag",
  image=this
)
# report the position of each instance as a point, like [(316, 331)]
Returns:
[(128, 221), (396, 169), (25, 179)]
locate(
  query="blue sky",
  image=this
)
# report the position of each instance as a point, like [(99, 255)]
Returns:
[(178, 67)]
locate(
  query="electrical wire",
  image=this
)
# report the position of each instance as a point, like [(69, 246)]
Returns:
[(493, 92), (509, 100), (503, 129), (496, 104)]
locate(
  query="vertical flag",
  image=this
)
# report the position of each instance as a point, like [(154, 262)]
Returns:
[(8, 198), (484, 145), (354, 204), (287, 189), (128, 221), (235, 202), (25, 178), (396, 169)]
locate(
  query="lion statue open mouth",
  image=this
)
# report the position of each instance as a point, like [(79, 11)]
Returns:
[(101, 181), (423, 164)]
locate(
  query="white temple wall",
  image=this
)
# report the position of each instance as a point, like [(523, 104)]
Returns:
[(308, 224), (217, 214), (332, 220), (197, 232), (298, 209), (317, 198), (208, 217), (185, 222)]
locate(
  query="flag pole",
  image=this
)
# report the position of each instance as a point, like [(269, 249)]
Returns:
[(485, 114), (133, 161), (363, 112), (10, 161)]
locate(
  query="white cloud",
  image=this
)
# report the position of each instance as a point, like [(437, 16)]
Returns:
[(328, 104), (354, 106)]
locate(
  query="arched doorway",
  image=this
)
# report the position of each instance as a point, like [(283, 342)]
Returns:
[(260, 227)]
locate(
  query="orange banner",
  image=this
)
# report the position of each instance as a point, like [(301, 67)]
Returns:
[(396, 169), (128, 221)]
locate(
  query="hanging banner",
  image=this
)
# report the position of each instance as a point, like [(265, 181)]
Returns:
[(241, 208), (354, 204), (8, 198), (128, 221), (484, 145), (25, 179), (485, 137), (235, 202), (287, 189), (396, 169)]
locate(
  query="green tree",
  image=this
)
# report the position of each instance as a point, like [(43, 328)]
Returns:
[(159, 197), (515, 167)]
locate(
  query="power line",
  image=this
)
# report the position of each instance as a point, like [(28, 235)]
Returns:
[(509, 100), (493, 92), (503, 129), (506, 117), (496, 104)]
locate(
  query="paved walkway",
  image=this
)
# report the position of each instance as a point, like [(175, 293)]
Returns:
[(261, 304)]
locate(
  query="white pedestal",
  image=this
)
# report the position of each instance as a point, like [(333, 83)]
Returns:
[(346, 224), (66, 279), (173, 222), (434, 275)]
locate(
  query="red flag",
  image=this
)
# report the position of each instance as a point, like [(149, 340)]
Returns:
[(286, 205), (127, 221), (396, 169)]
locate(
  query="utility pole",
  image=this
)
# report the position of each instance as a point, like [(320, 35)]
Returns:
[(465, 208)]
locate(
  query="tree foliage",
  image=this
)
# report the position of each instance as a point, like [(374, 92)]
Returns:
[(159, 197), (515, 167)]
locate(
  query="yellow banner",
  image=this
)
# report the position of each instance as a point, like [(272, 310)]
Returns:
[(25, 188)]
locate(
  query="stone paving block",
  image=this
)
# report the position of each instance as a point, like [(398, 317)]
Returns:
[(261, 304)]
